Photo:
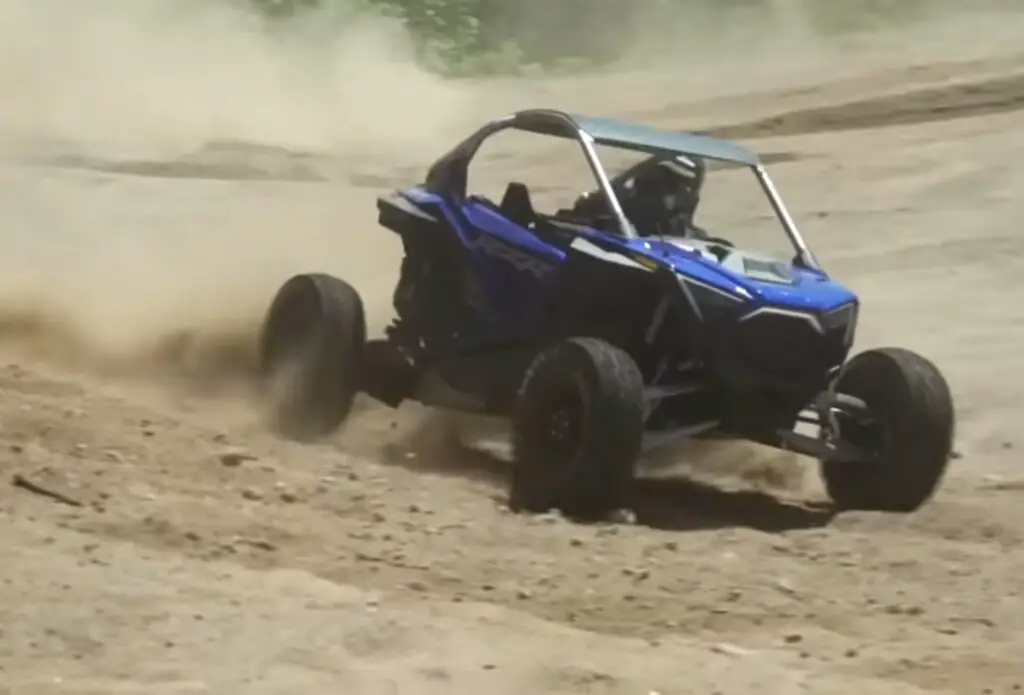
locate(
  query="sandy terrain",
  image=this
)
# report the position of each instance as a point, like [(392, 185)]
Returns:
[(157, 184)]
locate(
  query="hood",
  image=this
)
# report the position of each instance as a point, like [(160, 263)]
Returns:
[(750, 273)]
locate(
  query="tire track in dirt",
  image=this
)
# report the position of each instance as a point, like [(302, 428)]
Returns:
[(243, 161), (964, 100)]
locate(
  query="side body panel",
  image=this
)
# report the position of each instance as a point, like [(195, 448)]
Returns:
[(512, 272)]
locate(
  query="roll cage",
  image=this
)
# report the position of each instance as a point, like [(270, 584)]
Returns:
[(448, 175)]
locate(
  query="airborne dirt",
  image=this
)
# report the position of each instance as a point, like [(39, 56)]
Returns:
[(157, 185)]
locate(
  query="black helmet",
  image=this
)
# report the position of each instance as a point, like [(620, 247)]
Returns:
[(658, 194), (662, 193), (676, 180)]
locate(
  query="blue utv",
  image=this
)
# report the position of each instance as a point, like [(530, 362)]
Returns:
[(613, 327)]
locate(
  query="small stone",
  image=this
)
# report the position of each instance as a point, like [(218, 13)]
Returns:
[(288, 497), (524, 594), (114, 456), (785, 587), (252, 494), (260, 544), (622, 516), (551, 517), (232, 458), (729, 649), (793, 638)]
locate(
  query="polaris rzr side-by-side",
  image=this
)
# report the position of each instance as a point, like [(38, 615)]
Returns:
[(612, 327)]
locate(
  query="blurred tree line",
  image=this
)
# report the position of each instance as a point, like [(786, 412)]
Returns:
[(485, 36)]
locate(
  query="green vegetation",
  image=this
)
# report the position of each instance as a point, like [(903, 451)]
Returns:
[(495, 36)]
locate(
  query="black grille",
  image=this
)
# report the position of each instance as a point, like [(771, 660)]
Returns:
[(791, 345)]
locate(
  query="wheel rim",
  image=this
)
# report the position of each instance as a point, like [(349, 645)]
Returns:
[(559, 429), (563, 428), (867, 434)]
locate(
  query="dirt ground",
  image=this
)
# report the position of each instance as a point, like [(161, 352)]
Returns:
[(156, 186)]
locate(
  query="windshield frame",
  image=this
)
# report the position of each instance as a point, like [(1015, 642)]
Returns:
[(804, 253), (782, 215)]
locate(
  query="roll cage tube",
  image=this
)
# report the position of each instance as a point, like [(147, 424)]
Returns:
[(587, 144), (803, 251), (448, 174)]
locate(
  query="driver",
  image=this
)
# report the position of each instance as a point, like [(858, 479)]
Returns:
[(659, 196), (662, 199)]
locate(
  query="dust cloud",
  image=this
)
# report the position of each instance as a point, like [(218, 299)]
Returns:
[(212, 109), (163, 75)]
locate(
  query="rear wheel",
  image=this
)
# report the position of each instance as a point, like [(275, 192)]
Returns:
[(577, 429), (908, 428), (311, 354)]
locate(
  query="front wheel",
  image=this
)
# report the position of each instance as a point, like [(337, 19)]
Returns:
[(908, 429), (311, 353), (577, 429)]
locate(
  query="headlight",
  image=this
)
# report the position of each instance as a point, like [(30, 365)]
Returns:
[(845, 318)]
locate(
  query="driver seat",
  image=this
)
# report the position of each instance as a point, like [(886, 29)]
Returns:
[(517, 206)]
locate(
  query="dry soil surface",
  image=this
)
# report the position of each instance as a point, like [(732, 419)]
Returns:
[(155, 187)]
